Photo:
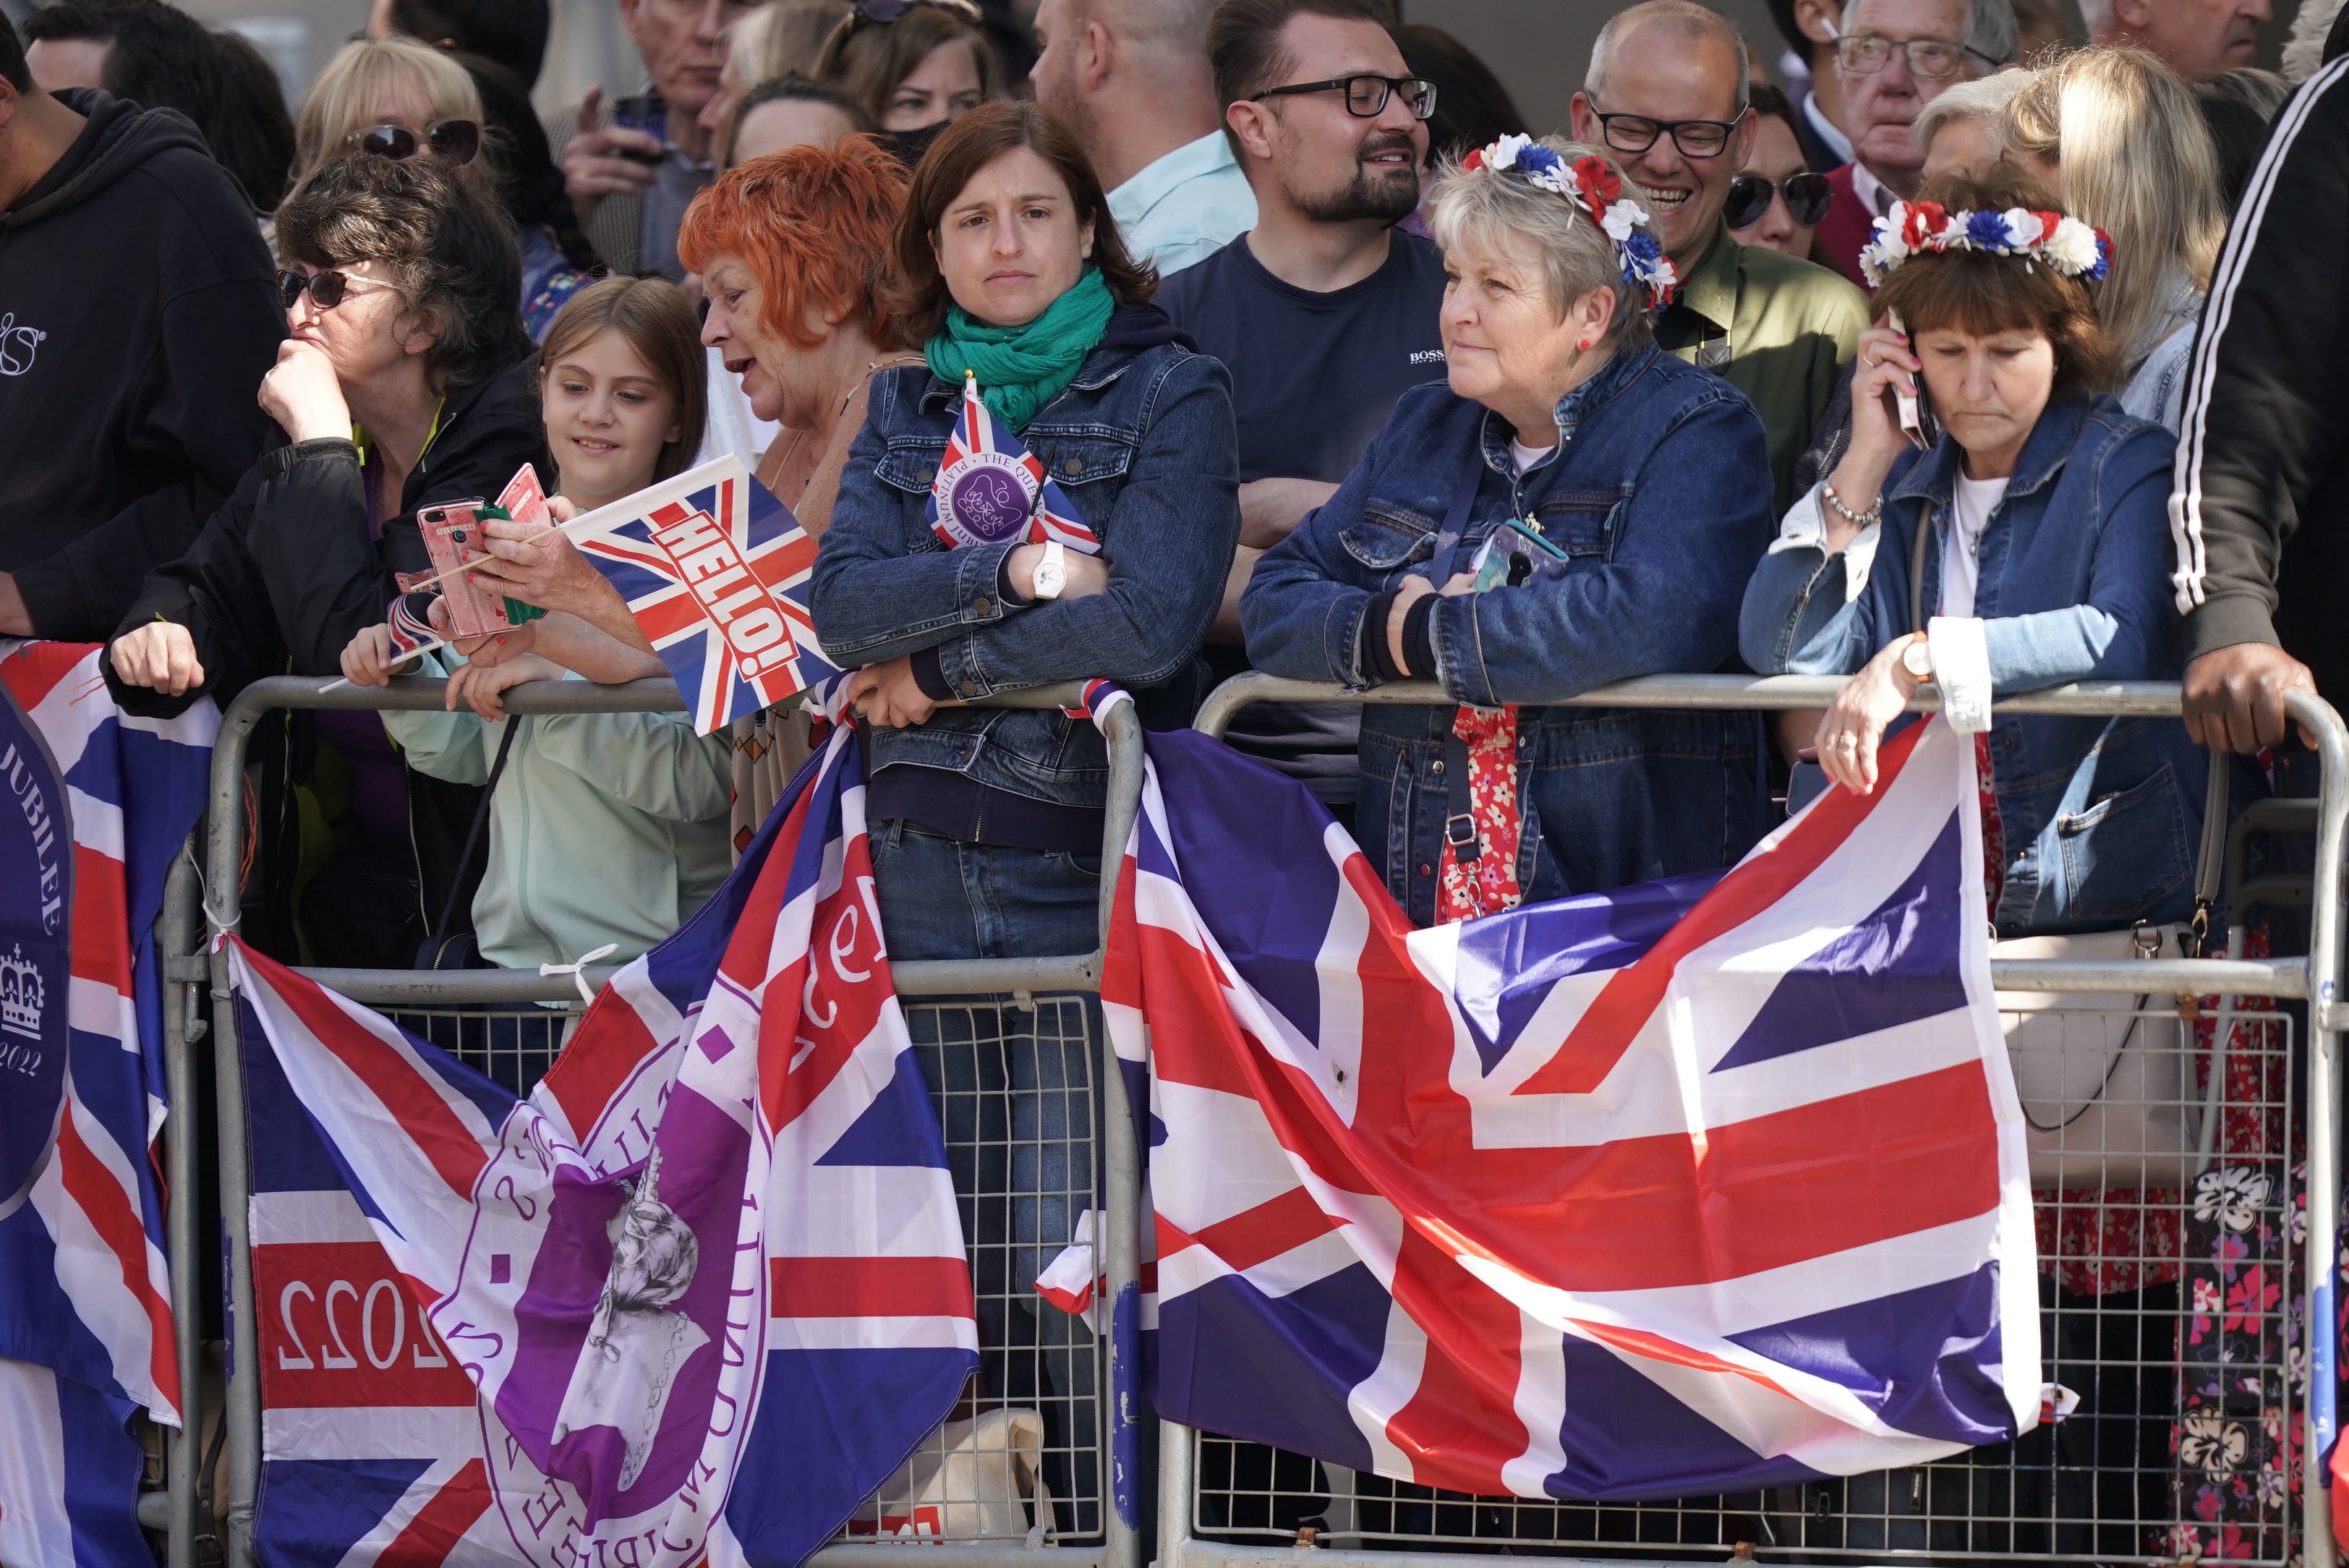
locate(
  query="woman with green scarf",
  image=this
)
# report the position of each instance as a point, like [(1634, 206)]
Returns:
[(949, 574)]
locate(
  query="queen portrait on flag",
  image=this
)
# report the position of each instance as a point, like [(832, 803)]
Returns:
[(1052, 496)]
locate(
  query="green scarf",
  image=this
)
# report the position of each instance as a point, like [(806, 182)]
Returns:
[(1022, 368)]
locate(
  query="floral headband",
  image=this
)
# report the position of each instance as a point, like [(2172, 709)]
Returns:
[(2070, 246), (1592, 184)]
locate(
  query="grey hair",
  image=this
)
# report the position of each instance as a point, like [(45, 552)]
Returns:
[(1985, 97), (1990, 27), (1473, 207), (1691, 19)]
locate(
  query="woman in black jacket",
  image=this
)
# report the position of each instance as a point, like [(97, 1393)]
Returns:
[(405, 380)]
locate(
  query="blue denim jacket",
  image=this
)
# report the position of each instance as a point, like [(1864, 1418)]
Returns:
[(1659, 494), (2102, 817), (1143, 445)]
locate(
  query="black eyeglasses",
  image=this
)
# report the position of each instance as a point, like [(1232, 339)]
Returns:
[(325, 289), (1808, 196), (1694, 138), (1366, 96), (453, 142), (1865, 54)]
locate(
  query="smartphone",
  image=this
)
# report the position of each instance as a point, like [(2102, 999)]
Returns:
[(524, 500), (645, 112), (1514, 554), (1912, 411), (453, 536)]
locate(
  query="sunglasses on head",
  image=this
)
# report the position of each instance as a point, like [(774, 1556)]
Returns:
[(1808, 196), (456, 142), (325, 289)]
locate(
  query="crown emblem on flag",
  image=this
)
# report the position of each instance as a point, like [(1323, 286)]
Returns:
[(22, 995)]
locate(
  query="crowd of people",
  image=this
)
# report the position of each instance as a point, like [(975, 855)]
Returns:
[(1987, 347)]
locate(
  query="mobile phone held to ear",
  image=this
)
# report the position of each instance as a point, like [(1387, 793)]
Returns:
[(645, 112), (1910, 410)]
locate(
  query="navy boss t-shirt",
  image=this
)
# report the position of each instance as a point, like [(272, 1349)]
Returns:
[(1313, 378), (1313, 375)]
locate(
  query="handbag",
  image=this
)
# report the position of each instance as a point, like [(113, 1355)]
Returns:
[(2108, 1097)]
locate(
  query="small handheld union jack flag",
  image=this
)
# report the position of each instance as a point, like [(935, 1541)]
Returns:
[(990, 489)]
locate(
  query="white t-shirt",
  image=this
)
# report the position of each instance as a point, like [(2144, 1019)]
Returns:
[(1960, 548), (1525, 457)]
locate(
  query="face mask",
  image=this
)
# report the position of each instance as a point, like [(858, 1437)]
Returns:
[(909, 146)]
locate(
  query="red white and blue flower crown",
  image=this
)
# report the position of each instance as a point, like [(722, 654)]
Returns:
[(1591, 184), (2070, 246)]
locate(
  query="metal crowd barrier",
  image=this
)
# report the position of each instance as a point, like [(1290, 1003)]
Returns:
[(2103, 1494), (1040, 1012)]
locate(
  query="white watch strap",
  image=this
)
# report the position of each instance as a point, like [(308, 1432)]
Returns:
[(1052, 574)]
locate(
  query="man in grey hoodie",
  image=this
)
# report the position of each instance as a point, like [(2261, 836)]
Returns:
[(137, 315)]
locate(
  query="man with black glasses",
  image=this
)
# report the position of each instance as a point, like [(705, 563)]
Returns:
[(1893, 57), (137, 320), (1325, 312), (1666, 94)]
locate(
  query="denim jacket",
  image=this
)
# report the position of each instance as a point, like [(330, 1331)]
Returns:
[(1660, 495), (2102, 817), (1143, 445)]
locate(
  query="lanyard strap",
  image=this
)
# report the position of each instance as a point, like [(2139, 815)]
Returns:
[(1455, 516)]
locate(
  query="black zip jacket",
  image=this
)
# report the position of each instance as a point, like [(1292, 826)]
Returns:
[(137, 315), (284, 575), (2260, 503)]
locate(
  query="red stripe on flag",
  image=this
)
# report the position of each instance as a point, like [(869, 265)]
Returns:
[(1649, 1346), (1461, 1424), (869, 1287), (416, 1101), (101, 927), (441, 1523), (107, 1206), (1630, 998), (611, 1044), (34, 671), (1267, 1230)]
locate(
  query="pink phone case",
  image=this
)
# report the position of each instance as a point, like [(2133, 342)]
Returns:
[(524, 500), (453, 537)]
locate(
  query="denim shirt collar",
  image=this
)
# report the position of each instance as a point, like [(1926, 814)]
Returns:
[(1934, 476), (1572, 408)]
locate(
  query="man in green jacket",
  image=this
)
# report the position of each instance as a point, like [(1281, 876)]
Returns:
[(1666, 97)]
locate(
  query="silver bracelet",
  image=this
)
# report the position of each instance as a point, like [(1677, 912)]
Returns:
[(1866, 519)]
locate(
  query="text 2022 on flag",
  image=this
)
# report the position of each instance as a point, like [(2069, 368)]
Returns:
[(714, 569), (1689, 1187), (554, 1331)]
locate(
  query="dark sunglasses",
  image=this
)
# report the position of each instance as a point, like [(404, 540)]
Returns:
[(456, 142), (887, 11), (1366, 96), (1808, 196), (325, 289)]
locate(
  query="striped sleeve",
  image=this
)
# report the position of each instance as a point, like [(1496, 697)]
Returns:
[(2265, 409)]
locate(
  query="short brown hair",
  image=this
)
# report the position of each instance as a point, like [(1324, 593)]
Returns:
[(1244, 40), (867, 59), (653, 315), (969, 145), (1981, 293), (814, 224)]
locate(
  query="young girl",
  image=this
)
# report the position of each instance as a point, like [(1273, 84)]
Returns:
[(605, 828)]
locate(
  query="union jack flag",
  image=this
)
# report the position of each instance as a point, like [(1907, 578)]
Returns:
[(550, 1330), (1700, 1186), (714, 569), (990, 489), (84, 1292)]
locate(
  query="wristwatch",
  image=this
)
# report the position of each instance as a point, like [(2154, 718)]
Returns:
[(1917, 659), (1052, 573)]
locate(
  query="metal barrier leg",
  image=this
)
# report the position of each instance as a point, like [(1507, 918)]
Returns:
[(223, 889), (184, 1026), (2325, 972)]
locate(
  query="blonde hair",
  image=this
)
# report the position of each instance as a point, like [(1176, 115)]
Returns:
[(781, 39), (344, 97), (1474, 206), (2134, 158), (1984, 98)]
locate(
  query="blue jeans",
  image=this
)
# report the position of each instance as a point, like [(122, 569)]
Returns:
[(1013, 1087)]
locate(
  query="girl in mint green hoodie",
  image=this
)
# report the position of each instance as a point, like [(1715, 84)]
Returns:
[(605, 828)]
